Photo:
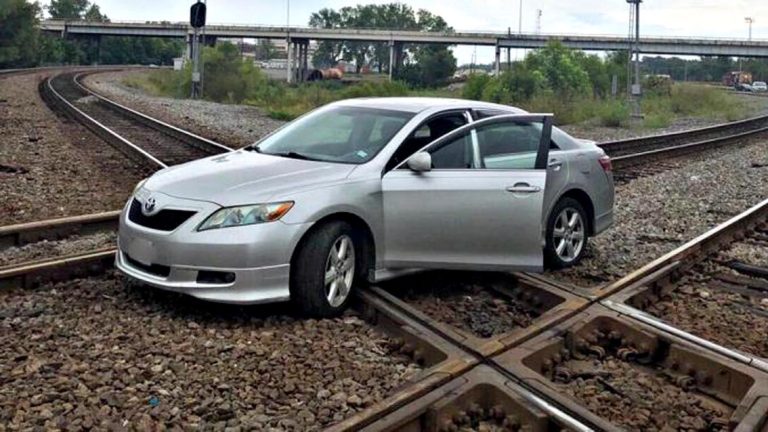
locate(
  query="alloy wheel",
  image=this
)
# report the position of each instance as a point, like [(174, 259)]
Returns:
[(569, 236), (339, 271)]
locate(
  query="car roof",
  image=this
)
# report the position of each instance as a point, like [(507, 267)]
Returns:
[(418, 104)]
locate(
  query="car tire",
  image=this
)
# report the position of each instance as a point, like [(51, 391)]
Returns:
[(567, 234), (314, 260)]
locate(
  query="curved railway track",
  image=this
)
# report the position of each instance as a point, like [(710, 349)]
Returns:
[(141, 137), (525, 375)]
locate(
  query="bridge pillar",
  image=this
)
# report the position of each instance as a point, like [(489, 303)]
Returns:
[(289, 60), (301, 51), (395, 58), (498, 59), (391, 59), (188, 49)]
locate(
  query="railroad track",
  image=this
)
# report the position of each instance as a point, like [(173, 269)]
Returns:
[(141, 137), (515, 350), (533, 367)]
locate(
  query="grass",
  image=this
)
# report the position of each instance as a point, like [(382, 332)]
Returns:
[(286, 102)]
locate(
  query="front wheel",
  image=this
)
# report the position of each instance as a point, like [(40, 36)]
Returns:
[(566, 234), (325, 270)]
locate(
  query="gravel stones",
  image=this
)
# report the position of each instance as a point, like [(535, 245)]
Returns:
[(45, 249), (641, 397), (92, 353), (464, 301), (654, 215), (730, 319), (55, 168), (232, 125)]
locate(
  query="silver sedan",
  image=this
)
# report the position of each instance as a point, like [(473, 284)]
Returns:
[(364, 190)]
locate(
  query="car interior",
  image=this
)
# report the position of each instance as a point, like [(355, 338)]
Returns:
[(428, 132)]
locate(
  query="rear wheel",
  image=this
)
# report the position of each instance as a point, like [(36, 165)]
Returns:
[(326, 268), (566, 234)]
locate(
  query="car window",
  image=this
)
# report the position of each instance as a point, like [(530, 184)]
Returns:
[(428, 132), (338, 134), (509, 145), (455, 154), (558, 138)]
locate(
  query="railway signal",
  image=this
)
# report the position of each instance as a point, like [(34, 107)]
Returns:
[(197, 15)]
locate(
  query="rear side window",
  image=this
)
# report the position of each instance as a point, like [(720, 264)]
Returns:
[(509, 145), (557, 135)]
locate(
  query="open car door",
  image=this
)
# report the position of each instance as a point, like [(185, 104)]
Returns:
[(473, 199)]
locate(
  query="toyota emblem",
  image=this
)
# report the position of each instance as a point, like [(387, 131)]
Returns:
[(149, 205)]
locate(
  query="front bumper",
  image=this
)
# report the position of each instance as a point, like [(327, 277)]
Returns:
[(257, 255)]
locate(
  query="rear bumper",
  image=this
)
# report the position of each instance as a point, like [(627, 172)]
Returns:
[(603, 222)]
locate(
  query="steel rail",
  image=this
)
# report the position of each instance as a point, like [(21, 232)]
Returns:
[(629, 160), (169, 129), (129, 148), (133, 151), (21, 234), (642, 144)]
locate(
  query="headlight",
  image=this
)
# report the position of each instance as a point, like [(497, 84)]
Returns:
[(246, 215)]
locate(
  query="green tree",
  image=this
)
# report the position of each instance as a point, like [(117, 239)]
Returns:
[(68, 9), (420, 61), (19, 33), (94, 14), (265, 50), (560, 67)]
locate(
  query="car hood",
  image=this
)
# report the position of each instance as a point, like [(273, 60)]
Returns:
[(244, 177)]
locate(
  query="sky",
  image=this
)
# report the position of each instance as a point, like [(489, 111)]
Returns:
[(702, 18)]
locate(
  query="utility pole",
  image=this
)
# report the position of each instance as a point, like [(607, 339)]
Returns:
[(750, 21), (636, 89), (539, 13), (520, 19), (288, 53)]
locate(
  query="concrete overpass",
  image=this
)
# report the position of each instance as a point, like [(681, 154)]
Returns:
[(300, 36), (649, 45)]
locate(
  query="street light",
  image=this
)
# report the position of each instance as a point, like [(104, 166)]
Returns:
[(520, 19), (750, 21)]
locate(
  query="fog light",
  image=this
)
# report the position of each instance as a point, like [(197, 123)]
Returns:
[(215, 277)]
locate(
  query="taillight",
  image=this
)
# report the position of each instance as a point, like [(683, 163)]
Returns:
[(605, 162)]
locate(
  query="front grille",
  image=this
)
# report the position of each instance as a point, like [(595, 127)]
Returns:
[(164, 220), (154, 269)]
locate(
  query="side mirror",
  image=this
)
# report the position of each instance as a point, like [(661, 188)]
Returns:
[(420, 162)]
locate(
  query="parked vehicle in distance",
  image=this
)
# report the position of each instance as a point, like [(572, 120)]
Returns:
[(365, 190), (759, 86), (731, 79), (744, 87)]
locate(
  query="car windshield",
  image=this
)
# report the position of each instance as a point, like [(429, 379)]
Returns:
[(338, 134)]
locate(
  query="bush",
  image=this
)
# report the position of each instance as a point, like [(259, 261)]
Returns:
[(613, 114), (475, 85)]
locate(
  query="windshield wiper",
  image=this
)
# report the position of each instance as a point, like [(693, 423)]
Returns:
[(294, 155), (253, 148)]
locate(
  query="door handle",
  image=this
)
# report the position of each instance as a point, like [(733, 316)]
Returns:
[(523, 188), (555, 164)]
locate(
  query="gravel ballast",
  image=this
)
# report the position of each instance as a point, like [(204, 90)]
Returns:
[(93, 353), (465, 301), (641, 398), (654, 215), (46, 249), (50, 167), (231, 125)]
